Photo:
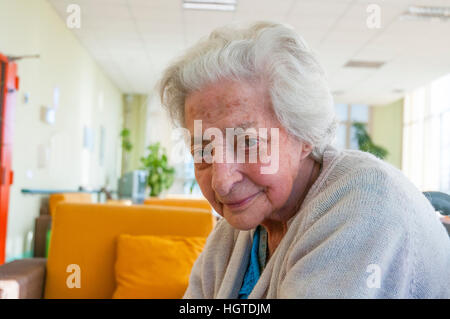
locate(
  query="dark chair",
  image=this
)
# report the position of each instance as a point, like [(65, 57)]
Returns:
[(441, 203)]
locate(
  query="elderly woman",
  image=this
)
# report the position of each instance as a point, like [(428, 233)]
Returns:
[(326, 223)]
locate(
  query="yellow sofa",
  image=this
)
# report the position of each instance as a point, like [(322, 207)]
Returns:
[(55, 199), (43, 221), (86, 234), (179, 202)]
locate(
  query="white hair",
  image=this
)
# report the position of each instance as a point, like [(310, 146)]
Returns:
[(297, 85)]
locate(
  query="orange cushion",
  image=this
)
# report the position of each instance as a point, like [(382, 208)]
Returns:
[(154, 267)]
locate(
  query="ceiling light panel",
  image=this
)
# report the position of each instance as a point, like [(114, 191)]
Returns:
[(218, 5)]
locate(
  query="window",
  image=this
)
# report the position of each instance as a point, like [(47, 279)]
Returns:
[(190, 186), (426, 136), (347, 114)]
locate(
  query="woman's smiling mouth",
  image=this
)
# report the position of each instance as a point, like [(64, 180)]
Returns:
[(242, 203)]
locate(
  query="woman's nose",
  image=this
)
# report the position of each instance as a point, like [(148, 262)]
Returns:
[(224, 176)]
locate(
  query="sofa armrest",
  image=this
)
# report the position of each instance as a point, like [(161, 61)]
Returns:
[(23, 279), (41, 226)]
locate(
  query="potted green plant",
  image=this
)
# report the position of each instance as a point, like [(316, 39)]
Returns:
[(160, 174), (127, 146), (365, 143)]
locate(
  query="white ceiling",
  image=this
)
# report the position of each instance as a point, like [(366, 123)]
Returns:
[(133, 40)]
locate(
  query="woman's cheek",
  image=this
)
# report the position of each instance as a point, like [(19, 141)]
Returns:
[(277, 186), (253, 172), (204, 179)]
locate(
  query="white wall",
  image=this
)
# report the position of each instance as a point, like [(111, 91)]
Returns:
[(87, 98)]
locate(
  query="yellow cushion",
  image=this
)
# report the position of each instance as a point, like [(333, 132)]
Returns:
[(180, 202), (154, 267), (86, 235)]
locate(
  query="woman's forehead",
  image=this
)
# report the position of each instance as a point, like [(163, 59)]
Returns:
[(237, 118), (228, 104)]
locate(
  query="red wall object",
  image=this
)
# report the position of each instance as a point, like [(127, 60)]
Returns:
[(9, 84)]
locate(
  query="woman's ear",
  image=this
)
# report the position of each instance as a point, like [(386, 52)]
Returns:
[(306, 150)]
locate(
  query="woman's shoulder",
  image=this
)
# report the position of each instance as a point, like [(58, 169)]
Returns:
[(357, 183), (223, 236), (222, 231), (360, 168)]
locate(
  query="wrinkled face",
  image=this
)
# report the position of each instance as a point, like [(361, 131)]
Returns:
[(240, 192)]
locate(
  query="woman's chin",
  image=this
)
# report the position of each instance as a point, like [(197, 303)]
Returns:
[(243, 220)]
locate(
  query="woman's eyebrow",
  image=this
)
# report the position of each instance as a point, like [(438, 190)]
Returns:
[(246, 125)]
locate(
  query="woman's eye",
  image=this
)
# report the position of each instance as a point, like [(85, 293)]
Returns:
[(202, 158), (250, 142), (197, 153)]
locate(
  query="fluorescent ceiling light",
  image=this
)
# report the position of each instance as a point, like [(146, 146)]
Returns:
[(427, 13), (364, 64), (220, 5), (213, 1)]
